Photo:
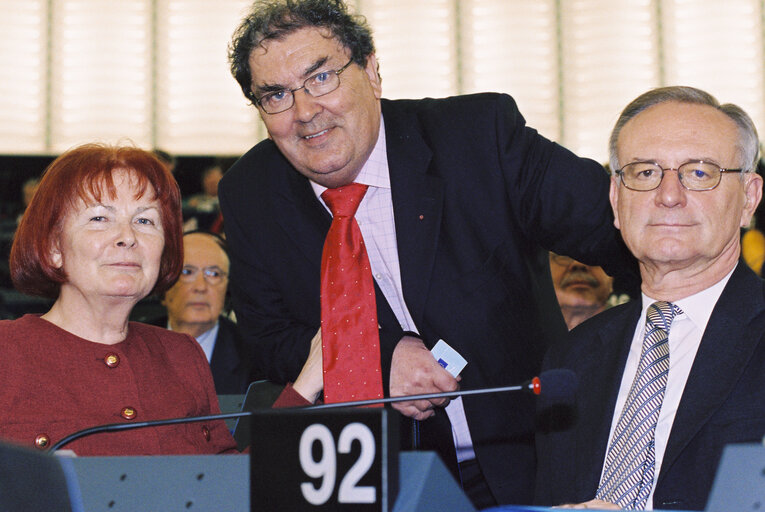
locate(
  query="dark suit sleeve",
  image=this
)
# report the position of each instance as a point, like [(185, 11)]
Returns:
[(560, 199), (276, 338)]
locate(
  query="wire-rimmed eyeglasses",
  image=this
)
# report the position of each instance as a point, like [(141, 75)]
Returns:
[(323, 82), (213, 275), (693, 175)]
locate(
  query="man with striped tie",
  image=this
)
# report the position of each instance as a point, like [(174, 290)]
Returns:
[(666, 382)]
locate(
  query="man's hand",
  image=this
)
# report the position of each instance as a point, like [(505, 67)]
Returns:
[(414, 371), (310, 382), (592, 504)]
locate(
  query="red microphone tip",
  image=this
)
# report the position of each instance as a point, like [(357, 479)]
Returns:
[(536, 386)]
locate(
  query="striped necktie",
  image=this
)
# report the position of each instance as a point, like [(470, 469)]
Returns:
[(630, 462)]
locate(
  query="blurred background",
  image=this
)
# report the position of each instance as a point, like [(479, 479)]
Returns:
[(154, 72)]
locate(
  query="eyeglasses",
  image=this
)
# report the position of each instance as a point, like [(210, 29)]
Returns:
[(693, 175), (213, 275), (316, 85), (563, 261)]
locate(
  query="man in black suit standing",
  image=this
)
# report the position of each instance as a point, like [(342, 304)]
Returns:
[(661, 394), (462, 200), (195, 306)]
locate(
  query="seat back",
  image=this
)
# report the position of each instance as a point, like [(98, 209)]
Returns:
[(260, 395), (35, 481)]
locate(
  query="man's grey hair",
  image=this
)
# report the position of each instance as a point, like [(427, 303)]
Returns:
[(747, 144)]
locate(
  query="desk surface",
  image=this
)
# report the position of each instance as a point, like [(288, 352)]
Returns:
[(222, 482)]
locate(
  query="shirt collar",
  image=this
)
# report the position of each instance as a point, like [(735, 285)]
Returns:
[(697, 307), (207, 340)]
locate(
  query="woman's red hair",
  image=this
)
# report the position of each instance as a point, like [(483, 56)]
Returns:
[(80, 175)]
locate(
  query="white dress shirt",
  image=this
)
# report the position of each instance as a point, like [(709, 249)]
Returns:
[(375, 219), (685, 336)]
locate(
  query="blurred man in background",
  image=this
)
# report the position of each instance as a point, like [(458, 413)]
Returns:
[(582, 290), (195, 307)]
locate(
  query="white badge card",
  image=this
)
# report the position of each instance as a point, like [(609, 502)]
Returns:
[(448, 358)]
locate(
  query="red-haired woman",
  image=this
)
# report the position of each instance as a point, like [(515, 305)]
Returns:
[(102, 232)]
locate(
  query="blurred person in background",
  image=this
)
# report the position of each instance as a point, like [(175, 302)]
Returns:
[(195, 306), (202, 211), (753, 238), (582, 290), (207, 199), (166, 158), (28, 190)]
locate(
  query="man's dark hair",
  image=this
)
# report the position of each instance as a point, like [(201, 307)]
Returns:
[(276, 19)]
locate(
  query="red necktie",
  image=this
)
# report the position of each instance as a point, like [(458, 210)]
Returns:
[(349, 331)]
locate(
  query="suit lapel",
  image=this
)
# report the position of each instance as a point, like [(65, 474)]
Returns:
[(726, 346), (417, 204), (602, 367)]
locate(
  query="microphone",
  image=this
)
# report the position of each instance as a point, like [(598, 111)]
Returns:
[(116, 427), (559, 385), (556, 385), (553, 384)]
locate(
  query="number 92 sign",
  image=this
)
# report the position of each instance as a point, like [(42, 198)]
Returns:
[(339, 459)]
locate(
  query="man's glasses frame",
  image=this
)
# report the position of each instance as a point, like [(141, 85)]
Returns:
[(696, 175), (213, 275), (316, 85)]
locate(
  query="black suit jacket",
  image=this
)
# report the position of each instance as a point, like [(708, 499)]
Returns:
[(723, 401), (231, 363), (476, 195)]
